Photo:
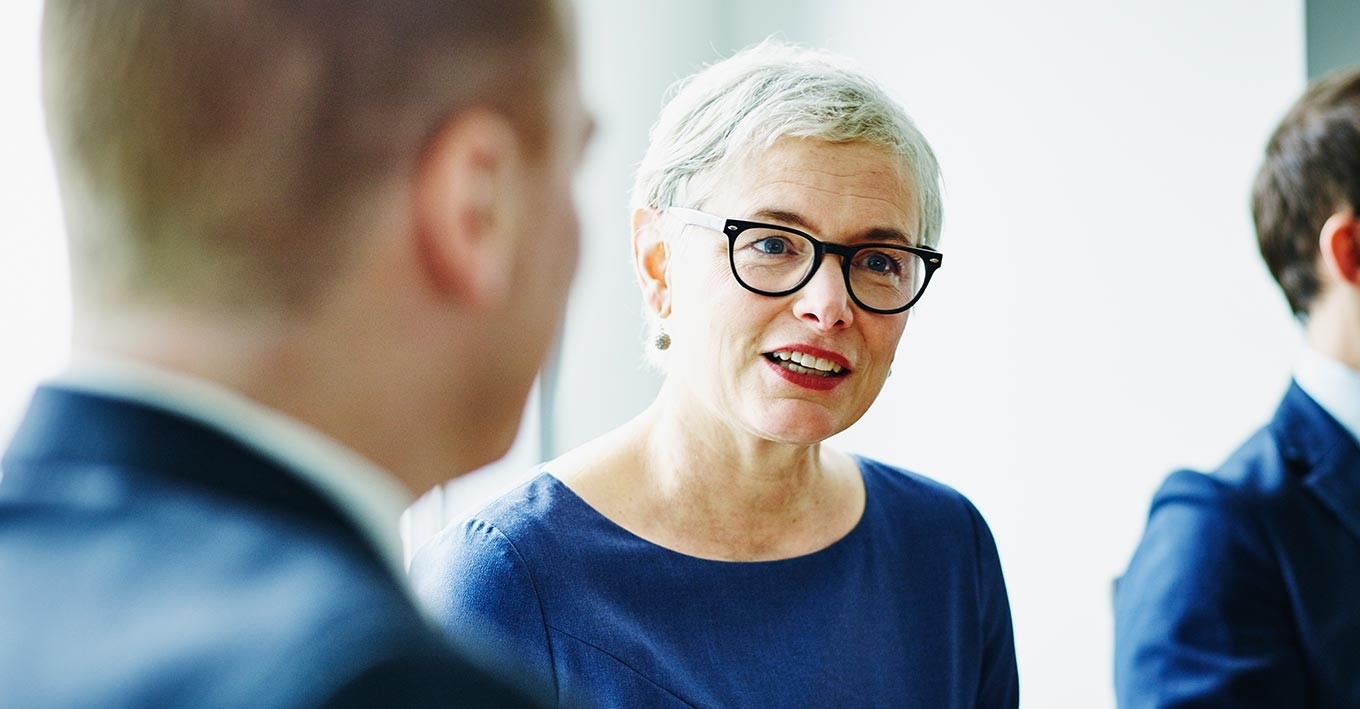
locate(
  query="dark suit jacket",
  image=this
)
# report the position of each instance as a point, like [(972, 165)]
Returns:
[(147, 560), (1245, 591)]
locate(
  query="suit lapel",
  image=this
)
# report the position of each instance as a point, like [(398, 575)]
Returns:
[(1324, 453)]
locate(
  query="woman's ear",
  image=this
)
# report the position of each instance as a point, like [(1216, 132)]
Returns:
[(1340, 248), (465, 202), (651, 260)]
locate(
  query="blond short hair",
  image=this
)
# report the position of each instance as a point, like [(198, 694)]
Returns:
[(217, 151)]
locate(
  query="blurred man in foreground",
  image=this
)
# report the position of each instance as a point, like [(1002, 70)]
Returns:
[(1244, 591), (318, 252)]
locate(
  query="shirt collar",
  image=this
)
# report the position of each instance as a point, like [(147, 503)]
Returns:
[(367, 494), (1333, 385)]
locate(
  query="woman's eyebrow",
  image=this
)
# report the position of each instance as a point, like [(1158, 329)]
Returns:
[(886, 234), (876, 234), (786, 217)]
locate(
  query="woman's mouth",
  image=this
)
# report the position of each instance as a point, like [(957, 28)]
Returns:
[(806, 364)]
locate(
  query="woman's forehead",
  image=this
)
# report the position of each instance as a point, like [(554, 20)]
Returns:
[(840, 184)]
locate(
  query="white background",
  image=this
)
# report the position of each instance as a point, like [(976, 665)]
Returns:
[(34, 305), (1102, 317)]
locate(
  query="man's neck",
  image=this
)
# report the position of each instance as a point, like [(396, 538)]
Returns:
[(1333, 330), (411, 410), (267, 361)]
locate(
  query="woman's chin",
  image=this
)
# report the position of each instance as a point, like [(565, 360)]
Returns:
[(801, 425)]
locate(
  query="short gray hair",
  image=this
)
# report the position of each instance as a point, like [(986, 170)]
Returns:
[(769, 91)]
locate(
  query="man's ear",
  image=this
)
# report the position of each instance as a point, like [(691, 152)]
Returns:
[(466, 206), (1340, 248), (651, 260)]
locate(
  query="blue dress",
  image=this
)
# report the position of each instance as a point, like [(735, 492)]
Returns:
[(908, 609)]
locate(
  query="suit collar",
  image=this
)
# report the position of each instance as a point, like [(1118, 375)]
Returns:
[(1333, 385), (69, 440), (369, 496), (1322, 452)]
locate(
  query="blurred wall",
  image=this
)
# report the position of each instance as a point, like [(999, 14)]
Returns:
[(1330, 30), (34, 304)]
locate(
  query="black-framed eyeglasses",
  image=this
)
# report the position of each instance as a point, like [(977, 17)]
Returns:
[(777, 260)]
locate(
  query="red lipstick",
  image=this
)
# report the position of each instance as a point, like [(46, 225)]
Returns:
[(809, 381)]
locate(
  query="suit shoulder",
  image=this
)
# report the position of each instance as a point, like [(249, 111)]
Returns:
[(361, 641), (383, 661), (1254, 479), (1257, 468), (261, 606)]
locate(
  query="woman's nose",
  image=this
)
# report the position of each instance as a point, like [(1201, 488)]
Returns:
[(825, 302)]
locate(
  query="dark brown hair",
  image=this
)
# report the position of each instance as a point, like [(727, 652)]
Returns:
[(216, 149), (1311, 170)]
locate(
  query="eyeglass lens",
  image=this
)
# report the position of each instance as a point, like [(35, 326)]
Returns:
[(776, 261)]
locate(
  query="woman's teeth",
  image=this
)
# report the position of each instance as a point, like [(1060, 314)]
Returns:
[(806, 364)]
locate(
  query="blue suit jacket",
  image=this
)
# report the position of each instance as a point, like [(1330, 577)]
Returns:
[(1245, 591), (146, 560)]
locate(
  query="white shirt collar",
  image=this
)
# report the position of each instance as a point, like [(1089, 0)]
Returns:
[(1333, 385), (367, 494)]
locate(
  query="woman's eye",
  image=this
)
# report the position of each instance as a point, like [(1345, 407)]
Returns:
[(880, 263), (772, 245)]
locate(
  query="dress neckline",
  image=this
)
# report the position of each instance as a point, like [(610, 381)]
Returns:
[(845, 540)]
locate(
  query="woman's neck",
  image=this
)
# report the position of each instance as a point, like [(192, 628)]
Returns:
[(690, 455), (681, 479)]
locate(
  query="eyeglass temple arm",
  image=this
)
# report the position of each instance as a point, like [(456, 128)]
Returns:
[(698, 218)]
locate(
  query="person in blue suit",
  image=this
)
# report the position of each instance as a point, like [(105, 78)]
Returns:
[(1243, 591), (318, 251)]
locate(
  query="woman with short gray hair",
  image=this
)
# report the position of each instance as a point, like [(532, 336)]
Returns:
[(713, 552)]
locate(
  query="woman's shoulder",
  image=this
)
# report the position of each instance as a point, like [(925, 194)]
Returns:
[(520, 517), (904, 497), (885, 479), (505, 544), (534, 512)]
